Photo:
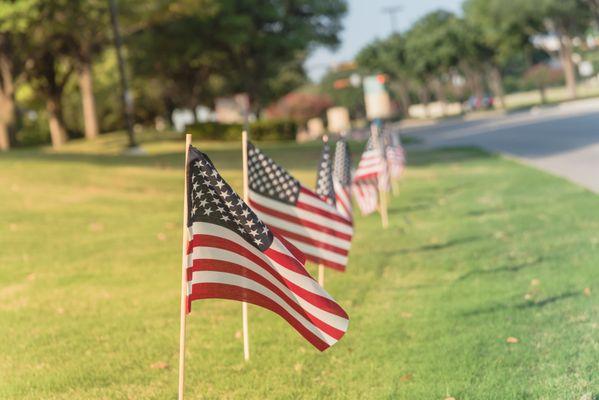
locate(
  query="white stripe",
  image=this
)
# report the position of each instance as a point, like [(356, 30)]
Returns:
[(200, 277), (226, 255), (307, 232), (314, 202), (298, 279), (318, 252), (299, 213)]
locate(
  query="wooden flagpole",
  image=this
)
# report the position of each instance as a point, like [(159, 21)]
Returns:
[(183, 280), (382, 191), (321, 275), (395, 187), (244, 305)]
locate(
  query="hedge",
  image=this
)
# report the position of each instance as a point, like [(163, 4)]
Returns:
[(268, 130)]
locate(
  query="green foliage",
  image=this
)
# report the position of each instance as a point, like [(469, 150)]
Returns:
[(262, 130), (273, 130), (349, 97)]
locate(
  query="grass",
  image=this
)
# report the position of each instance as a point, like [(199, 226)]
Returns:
[(479, 249), (554, 95)]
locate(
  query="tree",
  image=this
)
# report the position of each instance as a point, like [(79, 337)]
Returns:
[(566, 19), (504, 28), (85, 23), (7, 90), (276, 34), (388, 56), (434, 46)]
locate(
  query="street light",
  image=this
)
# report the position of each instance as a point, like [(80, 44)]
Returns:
[(392, 11)]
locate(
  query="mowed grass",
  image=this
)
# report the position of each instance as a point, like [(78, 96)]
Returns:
[(479, 249)]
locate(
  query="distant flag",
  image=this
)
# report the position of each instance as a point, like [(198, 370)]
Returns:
[(342, 179), (233, 255), (324, 176), (370, 177), (395, 155), (301, 216)]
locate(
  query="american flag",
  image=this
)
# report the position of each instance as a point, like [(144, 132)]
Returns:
[(370, 177), (297, 213), (232, 254), (342, 179), (324, 176), (395, 154)]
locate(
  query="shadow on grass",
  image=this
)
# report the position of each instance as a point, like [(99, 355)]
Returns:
[(521, 306), (505, 268), (440, 246)]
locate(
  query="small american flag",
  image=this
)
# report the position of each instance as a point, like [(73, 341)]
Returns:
[(395, 154), (324, 176), (297, 213), (342, 179), (232, 254), (370, 177)]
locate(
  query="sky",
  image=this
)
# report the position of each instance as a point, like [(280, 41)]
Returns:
[(365, 21)]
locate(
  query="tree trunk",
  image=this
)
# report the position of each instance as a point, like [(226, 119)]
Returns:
[(403, 91), (565, 53), (86, 88), (57, 129), (497, 86), (424, 99), (542, 93), (440, 94), (7, 102)]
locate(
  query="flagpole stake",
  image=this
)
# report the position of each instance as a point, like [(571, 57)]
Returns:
[(395, 187), (382, 190), (183, 281), (321, 275), (244, 305)]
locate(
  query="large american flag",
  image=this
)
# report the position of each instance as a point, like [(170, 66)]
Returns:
[(370, 177), (297, 213), (342, 179), (233, 255)]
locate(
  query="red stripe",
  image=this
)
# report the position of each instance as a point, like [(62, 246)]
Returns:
[(319, 211), (285, 261), (225, 244), (299, 221), (327, 263), (297, 253), (223, 291), (310, 241), (321, 302), (232, 268)]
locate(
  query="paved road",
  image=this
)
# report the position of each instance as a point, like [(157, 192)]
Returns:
[(563, 140)]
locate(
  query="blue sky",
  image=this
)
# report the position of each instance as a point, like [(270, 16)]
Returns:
[(365, 22)]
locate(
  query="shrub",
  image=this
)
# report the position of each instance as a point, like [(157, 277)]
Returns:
[(269, 130)]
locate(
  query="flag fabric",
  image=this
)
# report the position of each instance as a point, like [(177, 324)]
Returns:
[(395, 155), (370, 177), (342, 179), (324, 176), (232, 254), (297, 213)]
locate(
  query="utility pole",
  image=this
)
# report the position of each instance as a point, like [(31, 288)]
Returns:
[(392, 11), (126, 96)]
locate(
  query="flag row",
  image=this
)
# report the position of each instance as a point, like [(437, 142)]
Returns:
[(254, 249)]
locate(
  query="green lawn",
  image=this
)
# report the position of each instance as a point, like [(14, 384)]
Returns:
[(479, 249)]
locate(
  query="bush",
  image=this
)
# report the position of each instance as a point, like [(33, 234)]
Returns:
[(268, 130)]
